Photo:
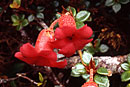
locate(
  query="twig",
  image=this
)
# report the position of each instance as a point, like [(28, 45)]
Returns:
[(111, 63)]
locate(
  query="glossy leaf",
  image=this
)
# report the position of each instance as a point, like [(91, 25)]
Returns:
[(125, 76), (14, 18), (40, 15), (128, 58), (103, 48), (89, 48), (25, 22), (82, 16), (85, 76), (106, 85), (40, 9), (80, 68), (116, 7), (102, 71), (22, 17), (41, 77), (16, 23), (124, 1), (86, 57), (109, 2), (19, 27), (96, 62), (100, 79), (125, 66), (79, 24), (31, 18), (72, 9)]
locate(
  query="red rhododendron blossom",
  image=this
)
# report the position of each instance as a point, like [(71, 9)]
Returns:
[(69, 39), (90, 84), (42, 54)]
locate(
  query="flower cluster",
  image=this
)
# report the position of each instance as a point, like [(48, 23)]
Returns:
[(67, 39)]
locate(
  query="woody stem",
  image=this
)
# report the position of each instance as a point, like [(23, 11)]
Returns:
[(80, 54), (91, 75)]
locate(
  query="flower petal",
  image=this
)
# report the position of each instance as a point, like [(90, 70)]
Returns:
[(28, 50), (68, 30), (61, 43), (27, 60), (59, 34), (60, 64), (68, 50), (80, 43), (84, 32)]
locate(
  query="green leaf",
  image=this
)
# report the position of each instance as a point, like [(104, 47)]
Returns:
[(40, 15), (98, 42), (41, 77), (39, 84), (31, 18), (124, 1), (103, 48), (128, 58), (125, 66), (125, 76), (40, 9), (109, 2), (86, 57), (89, 48), (100, 79), (116, 7), (82, 16), (96, 62), (18, 1), (58, 15), (102, 71), (21, 17), (107, 84), (25, 22), (16, 23), (19, 27), (89, 19), (72, 9), (79, 24), (85, 76), (1, 9), (128, 85), (14, 18)]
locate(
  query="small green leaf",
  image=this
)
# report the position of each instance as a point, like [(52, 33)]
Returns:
[(109, 2), (82, 16), (58, 15), (18, 1), (116, 7), (102, 71), (14, 18), (107, 84), (75, 75), (128, 58), (79, 24), (16, 23), (125, 66), (25, 22), (98, 42), (85, 76), (72, 9), (40, 15), (40, 9), (21, 17), (19, 27), (41, 77), (124, 1), (89, 19), (31, 18), (125, 76), (96, 62), (128, 85), (39, 84), (86, 57), (100, 79), (103, 48)]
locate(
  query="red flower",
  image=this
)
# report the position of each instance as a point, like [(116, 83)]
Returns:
[(69, 39), (42, 54), (90, 84)]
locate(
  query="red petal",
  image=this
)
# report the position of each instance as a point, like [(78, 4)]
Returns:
[(68, 50), (27, 60), (61, 43), (84, 32), (68, 30), (28, 50), (59, 34), (60, 64), (80, 43)]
